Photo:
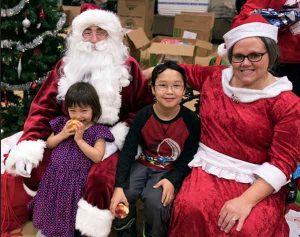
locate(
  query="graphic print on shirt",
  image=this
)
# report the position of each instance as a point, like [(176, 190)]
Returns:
[(163, 146)]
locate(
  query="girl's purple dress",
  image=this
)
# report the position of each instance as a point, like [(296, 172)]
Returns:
[(55, 204)]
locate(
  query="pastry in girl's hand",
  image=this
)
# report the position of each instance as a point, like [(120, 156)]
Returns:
[(121, 211), (73, 124)]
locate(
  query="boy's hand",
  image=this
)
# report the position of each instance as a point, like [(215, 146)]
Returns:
[(118, 196), (168, 191)]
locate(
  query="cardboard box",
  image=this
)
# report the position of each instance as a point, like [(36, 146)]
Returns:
[(136, 13), (137, 41), (203, 61), (198, 23), (158, 51), (72, 12), (173, 7), (221, 27), (163, 25)]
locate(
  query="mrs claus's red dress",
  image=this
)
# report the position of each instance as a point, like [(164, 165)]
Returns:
[(245, 133)]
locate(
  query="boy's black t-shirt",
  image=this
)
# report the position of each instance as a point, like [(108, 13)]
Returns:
[(166, 145)]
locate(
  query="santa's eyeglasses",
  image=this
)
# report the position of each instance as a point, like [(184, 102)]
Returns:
[(100, 33)]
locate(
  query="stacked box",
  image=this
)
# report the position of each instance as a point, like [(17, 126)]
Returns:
[(137, 13), (173, 7), (199, 23), (71, 12)]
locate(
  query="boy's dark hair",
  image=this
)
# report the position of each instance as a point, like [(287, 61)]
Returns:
[(83, 93), (167, 65)]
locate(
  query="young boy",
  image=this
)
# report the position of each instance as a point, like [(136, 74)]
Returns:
[(168, 134)]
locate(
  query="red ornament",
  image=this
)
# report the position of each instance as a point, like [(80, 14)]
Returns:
[(42, 14), (33, 85)]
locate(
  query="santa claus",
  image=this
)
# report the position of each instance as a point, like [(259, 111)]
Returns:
[(96, 54)]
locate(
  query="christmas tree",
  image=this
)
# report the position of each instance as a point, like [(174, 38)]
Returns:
[(30, 46)]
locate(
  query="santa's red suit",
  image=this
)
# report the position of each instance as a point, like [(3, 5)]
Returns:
[(122, 90)]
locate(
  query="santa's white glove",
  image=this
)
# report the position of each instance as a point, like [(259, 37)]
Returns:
[(25, 156), (23, 168)]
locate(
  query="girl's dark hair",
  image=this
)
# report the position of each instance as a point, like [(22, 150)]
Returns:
[(272, 49), (167, 65), (82, 94)]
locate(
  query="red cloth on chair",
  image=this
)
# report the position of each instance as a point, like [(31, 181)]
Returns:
[(14, 201)]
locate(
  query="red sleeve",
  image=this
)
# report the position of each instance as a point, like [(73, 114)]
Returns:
[(285, 147), (44, 108), (197, 75), (137, 95)]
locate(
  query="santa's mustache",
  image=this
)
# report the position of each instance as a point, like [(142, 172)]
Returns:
[(89, 47)]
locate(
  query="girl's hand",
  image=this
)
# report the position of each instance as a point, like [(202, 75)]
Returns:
[(168, 191), (234, 210), (118, 196), (79, 132), (67, 131)]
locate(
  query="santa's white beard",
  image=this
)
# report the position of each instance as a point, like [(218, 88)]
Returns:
[(102, 65)]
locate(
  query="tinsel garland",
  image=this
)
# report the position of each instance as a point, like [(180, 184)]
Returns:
[(37, 41), (23, 87), (15, 10)]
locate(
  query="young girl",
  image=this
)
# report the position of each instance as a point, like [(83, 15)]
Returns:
[(169, 136), (77, 141)]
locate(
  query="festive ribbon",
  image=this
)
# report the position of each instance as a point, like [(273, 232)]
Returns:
[(279, 18), (15, 10), (37, 41), (23, 87)]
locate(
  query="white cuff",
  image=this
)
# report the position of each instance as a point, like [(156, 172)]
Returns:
[(272, 175), (92, 221), (119, 131), (31, 151)]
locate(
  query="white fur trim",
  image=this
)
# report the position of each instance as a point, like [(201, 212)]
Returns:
[(9, 142), (30, 192), (272, 175), (222, 51), (39, 234), (119, 131), (104, 19), (246, 95), (31, 151), (6, 145), (223, 166), (253, 29), (110, 148), (92, 221)]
